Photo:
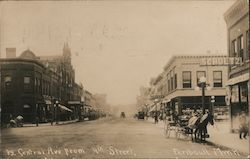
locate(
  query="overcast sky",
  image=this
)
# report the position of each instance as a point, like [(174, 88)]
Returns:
[(117, 46)]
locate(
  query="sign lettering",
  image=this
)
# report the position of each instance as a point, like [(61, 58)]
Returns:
[(221, 61)]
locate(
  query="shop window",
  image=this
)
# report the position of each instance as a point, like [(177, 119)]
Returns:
[(200, 74), (186, 79), (217, 78), (243, 92), (235, 94)]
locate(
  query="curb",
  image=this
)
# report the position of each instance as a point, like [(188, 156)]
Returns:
[(48, 124)]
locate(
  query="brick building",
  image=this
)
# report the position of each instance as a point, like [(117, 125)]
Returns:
[(177, 87), (237, 20), (31, 85)]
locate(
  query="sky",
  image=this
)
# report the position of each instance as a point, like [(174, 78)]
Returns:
[(117, 46)]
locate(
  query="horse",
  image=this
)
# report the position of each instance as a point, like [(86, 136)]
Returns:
[(197, 126), (201, 128), (191, 128)]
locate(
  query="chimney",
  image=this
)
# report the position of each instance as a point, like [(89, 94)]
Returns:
[(10, 52)]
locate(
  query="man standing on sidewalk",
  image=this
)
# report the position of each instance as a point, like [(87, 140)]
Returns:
[(156, 117), (37, 120), (243, 129)]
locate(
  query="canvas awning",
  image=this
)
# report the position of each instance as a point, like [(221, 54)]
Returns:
[(152, 108), (64, 108)]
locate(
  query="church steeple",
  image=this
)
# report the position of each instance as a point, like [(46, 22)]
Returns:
[(66, 52)]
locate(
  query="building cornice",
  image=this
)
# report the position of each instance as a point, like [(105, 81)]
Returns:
[(237, 11), (21, 60)]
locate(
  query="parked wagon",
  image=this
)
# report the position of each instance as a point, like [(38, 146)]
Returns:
[(177, 127), (189, 126)]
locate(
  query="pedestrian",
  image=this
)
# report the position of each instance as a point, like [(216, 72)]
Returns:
[(37, 120), (156, 118), (243, 128)]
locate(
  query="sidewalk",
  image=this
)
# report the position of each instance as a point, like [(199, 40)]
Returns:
[(221, 136), (49, 124)]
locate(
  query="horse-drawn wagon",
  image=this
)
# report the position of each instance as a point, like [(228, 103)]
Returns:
[(185, 126)]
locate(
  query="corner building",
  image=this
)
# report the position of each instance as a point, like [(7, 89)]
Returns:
[(31, 85), (179, 81)]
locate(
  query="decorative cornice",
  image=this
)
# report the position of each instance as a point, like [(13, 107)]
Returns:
[(238, 10)]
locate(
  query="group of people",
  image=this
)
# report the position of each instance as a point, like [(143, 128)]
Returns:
[(16, 122)]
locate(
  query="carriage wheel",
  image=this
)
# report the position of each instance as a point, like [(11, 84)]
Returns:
[(185, 133), (167, 130)]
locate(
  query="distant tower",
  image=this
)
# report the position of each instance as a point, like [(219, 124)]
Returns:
[(66, 53)]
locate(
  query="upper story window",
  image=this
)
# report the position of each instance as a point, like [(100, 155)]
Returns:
[(27, 87), (175, 80), (241, 47), (26, 80), (199, 75), (186, 79), (7, 80), (168, 78), (247, 45), (217, 78), (172, 80), (234, 48)]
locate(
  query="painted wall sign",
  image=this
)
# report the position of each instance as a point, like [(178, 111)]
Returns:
[(221, 61)]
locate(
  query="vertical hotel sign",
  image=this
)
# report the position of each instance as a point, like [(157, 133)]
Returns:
[(221, 61)]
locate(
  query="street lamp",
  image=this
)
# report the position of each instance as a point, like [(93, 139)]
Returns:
[(56, 112), (203, 85), (212, 106)]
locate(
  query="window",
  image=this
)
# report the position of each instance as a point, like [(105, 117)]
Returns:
[(39, 84), (235, 94), (168, 77), (234, 48), (247, 44), (26, 80), (172, 80), (186, 79), (200, 74), (217, 78), (7, 80), (243, 92), (27, 87), (175, 81), (241, 47)]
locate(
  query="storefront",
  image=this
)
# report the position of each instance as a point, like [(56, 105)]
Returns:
[(178, 104), (238, 98), (76, 107)]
